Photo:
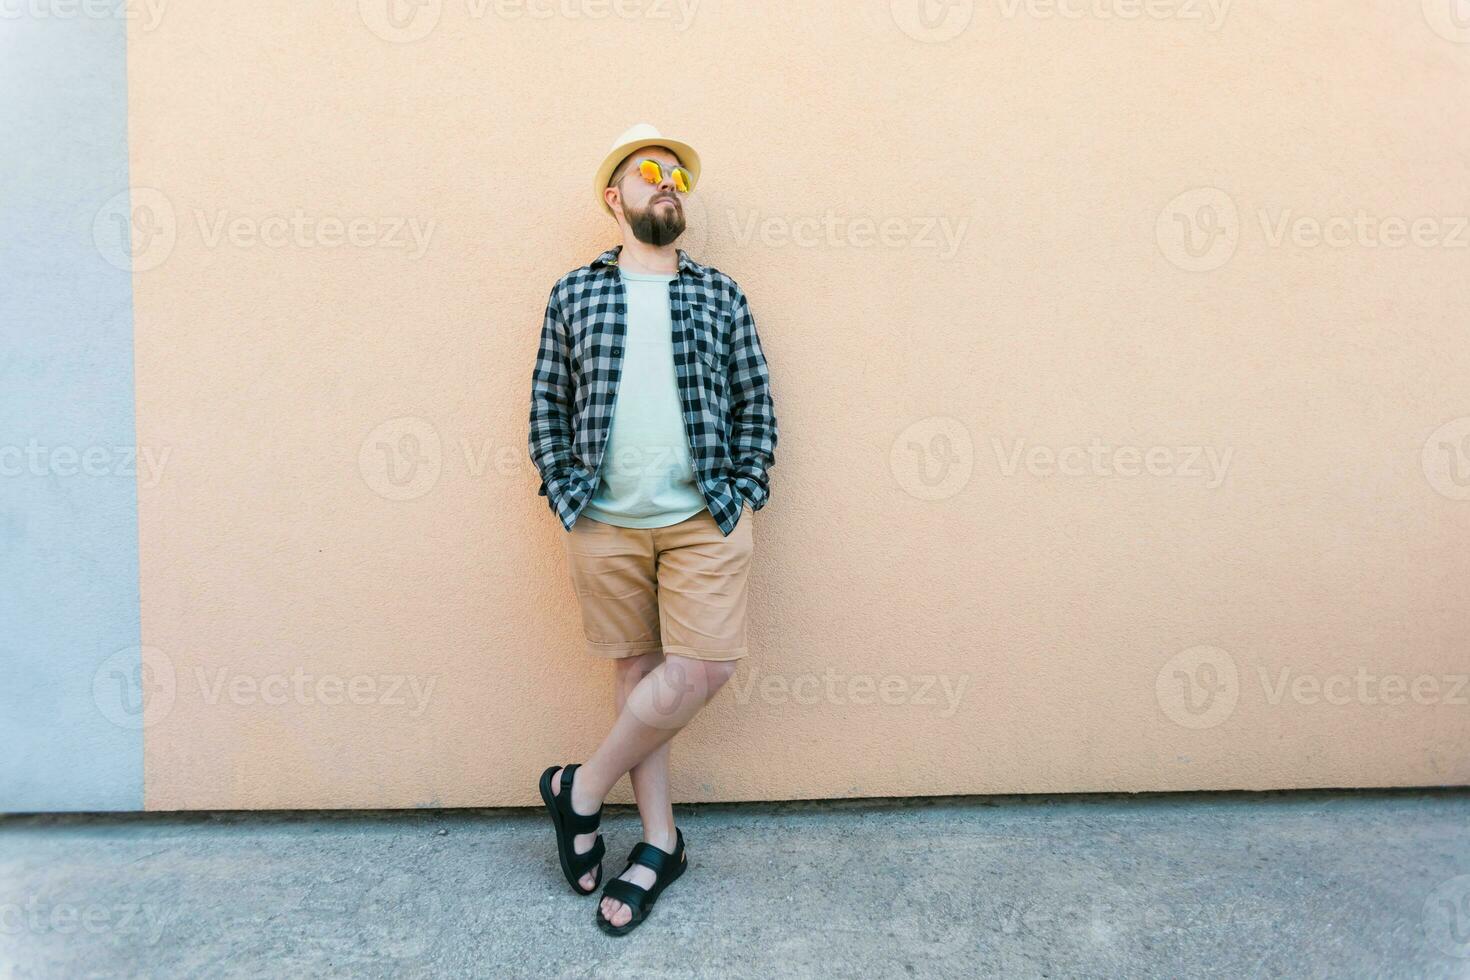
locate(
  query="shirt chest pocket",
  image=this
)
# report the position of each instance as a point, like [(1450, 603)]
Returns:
[(710, 366), (707, 343)]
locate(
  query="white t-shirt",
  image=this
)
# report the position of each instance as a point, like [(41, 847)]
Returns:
[(647, 478)]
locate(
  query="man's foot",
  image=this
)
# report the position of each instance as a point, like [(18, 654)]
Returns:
[(582, 843), (617, 912)]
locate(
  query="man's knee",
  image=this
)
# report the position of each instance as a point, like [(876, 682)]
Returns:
[(702, 676), (718, 672), (628, 671)]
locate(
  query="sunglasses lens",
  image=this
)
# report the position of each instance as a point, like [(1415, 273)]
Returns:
[(681, 180), (651, 171)]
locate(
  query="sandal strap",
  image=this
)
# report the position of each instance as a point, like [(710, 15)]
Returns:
[(589, 859), (653, 858), (576, 823), (626, 892)]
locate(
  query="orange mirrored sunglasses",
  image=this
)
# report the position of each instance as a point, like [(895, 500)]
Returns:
[(653, 172)]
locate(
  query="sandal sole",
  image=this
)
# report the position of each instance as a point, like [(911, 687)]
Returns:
[(561, 834)]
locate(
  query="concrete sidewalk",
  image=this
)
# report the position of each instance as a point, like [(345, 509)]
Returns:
[(1312, 884)]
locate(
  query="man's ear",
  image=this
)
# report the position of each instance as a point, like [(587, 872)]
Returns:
[(613, 203)]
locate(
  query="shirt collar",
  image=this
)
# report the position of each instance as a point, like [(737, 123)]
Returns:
[(686, 264)]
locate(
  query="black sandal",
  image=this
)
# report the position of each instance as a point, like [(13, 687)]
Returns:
[(569, 824), (666, 868)]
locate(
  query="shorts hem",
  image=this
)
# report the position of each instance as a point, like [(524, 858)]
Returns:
[(621, 651), (712, 655)]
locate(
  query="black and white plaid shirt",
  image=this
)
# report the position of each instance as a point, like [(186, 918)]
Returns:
[(723, 385)]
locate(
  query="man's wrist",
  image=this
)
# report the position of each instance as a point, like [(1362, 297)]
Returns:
[(751, 491)]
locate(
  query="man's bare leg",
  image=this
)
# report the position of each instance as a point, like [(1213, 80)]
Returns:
[(649, 777), (656, 707)]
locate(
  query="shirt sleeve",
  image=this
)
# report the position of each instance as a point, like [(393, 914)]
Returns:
[(754, 435), (550, 440)]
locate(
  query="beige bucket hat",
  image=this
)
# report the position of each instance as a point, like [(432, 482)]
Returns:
[(636, 137)]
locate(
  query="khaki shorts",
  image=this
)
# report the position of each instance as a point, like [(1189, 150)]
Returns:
[(679, 589)]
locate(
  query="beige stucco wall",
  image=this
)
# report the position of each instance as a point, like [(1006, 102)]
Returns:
[(965, 261)]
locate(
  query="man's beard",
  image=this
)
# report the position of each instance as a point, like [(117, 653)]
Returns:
[(656, 224)]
